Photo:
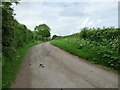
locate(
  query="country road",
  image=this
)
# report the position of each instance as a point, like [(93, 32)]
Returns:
[(47, 66)]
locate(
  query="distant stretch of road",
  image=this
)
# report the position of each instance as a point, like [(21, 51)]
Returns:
[(46, 66)]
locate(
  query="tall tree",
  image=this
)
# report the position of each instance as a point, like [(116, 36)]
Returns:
[(43, 30)]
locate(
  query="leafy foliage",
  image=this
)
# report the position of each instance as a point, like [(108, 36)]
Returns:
[(14, 34), (43, 30), (56, 37), (100, 46)]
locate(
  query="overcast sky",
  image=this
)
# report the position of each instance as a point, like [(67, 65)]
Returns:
[(67, 17)]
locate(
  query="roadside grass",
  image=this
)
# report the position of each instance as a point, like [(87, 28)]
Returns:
[(0, 71), (11, 67), (90, 51), (83, 53)]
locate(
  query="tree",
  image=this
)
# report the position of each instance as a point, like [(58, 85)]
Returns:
[(43, 30), (55, 36)]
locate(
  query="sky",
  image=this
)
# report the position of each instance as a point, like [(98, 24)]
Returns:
[(66, 17)]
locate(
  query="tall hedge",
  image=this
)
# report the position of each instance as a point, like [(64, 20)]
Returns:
[(14, 34)]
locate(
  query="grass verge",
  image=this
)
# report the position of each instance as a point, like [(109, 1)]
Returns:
[(84, 52), (11, 67), (72, 49), (0, 71)]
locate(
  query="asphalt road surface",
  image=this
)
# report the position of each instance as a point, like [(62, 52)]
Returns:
[(46, 66)]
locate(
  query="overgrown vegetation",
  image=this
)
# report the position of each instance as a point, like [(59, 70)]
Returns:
[(16, 39), (14, 34), (97, 45)]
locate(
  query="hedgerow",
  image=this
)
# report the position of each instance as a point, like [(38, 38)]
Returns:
[(14, 34), (100, 45)]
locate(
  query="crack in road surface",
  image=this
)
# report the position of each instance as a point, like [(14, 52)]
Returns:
[(46, 66)]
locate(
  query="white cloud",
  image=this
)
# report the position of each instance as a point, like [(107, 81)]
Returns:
[(67, 18), (70, 0)]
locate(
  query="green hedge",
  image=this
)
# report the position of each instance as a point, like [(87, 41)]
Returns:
[(100, 46), (14, 34)]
